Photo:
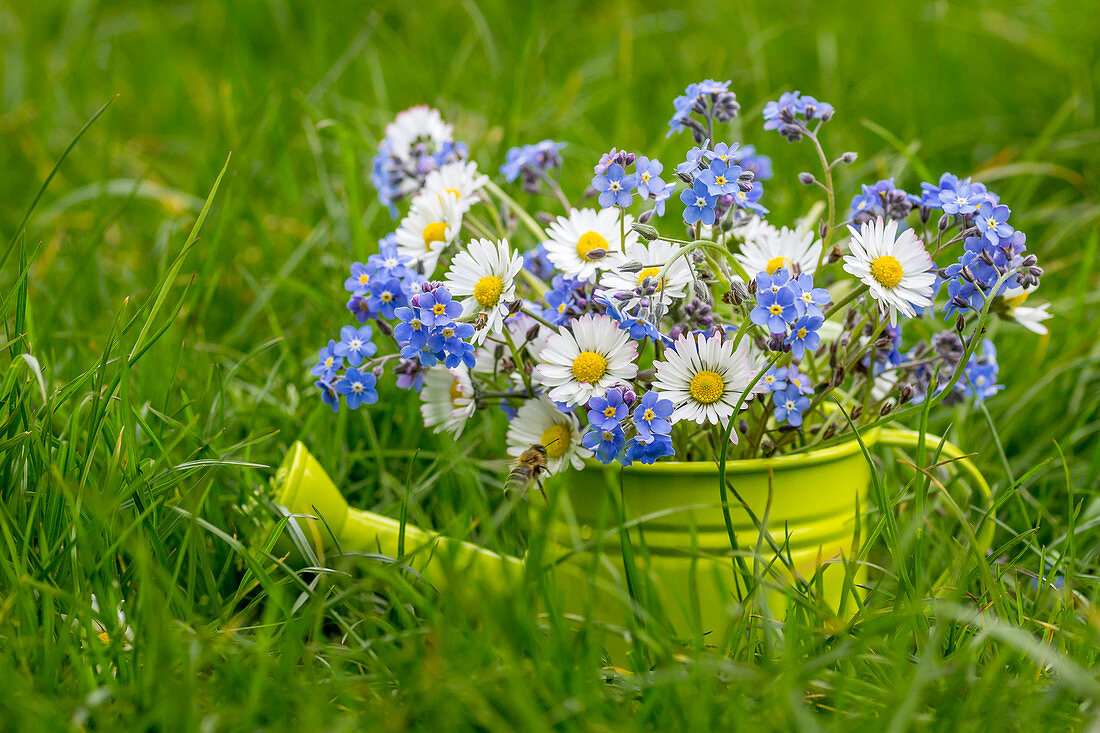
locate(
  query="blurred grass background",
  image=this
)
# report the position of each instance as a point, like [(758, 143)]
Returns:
[(102, 481)]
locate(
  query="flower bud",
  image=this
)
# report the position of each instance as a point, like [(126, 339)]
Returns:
[(645, 216), (822, 230), (806, 178), (856, 412), (742, 426), (960, 324), (596, 254), (848, 158), (645, 231), (514, 306), (887, 408), (384, 328), (632, 267), (532, 333), (834, 255)]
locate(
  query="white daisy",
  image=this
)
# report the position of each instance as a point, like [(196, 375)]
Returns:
[(783, 248), (448, 397), (754, 231), (653, 257), (484, 276), (584, 362), (705, 378), (896, 267), (573, 237), (1027, 316), (420, 125), (460, 179), (539, 422), (430, 226)]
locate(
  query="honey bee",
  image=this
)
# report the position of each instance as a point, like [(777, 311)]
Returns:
[(529, 468)]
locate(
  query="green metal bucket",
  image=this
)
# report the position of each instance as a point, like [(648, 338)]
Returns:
[(679, 551)]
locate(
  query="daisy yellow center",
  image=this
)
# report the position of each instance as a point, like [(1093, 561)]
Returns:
[(887, 271), (589, 366), (556, 439), (1016, 301), (435, 232), (438, 309), (456, 393), (706, 387), (487, 290), (652, 272), (648, 415), (588, 242), (776, 263)]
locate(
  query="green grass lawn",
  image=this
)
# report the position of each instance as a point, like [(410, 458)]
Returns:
[(153, 372)]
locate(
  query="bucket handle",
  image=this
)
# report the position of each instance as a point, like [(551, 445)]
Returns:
[(905, 438)]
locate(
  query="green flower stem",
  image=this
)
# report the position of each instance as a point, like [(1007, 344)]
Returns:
[(518, 210)]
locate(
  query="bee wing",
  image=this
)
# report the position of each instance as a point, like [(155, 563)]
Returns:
[(499, 465)]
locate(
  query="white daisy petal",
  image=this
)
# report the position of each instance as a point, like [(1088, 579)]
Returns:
[(448, 399)]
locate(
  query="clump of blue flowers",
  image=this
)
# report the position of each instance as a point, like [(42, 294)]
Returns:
[(624, 429)]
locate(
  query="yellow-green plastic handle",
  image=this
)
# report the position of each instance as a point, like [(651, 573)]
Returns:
[(904, 438), (319, 509)]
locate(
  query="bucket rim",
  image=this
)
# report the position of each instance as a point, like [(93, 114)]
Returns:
[(797, 461)]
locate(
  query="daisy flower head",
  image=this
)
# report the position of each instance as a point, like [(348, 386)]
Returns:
[(539, 422), (418, 126), (767, 249), (484, 275), (459, 179), (896, 268), (653, 257), (583, 360), (447, 399), (753, 230), (430, 226), (704, 378), (586, 241)]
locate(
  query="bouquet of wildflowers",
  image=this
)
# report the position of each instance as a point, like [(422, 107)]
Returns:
[(600, 335)]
